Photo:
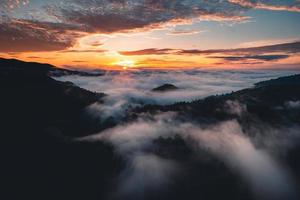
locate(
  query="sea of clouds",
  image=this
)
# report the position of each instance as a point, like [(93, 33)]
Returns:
[(254, 157), (127, 89)]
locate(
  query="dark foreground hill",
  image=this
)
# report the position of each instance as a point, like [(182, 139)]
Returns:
[(40, 116), (30, 95)]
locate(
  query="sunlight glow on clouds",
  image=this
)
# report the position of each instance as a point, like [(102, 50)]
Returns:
[(93, 29)]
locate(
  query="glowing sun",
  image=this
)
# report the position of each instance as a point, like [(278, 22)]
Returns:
[(125, 64)]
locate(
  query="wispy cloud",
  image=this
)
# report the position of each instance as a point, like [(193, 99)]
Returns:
[(252, 57), (293, 47), (55, 30), (151, 51), (265, 5), (184, 32), (84, 51), (18, 35), (225, 141), (242, 55)]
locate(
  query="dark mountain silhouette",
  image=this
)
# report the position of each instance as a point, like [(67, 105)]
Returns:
[(41, 117), (34, 94), (165, 88), (66, 72), (263, 102)]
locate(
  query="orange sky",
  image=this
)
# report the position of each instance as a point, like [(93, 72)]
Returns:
[(102, 52), (97, 58)]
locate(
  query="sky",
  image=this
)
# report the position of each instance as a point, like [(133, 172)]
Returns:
[(156, 34)]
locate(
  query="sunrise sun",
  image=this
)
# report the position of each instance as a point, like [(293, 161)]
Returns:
[(125, 64)]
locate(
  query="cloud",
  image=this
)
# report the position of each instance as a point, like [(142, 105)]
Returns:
[(150, 51), (260, 4), (249, 55), (146, 172), (166, 63), (267, 42), (235, 108), (289, 48), (104, 16), (27, 35), (54, 28), (78, 61), (184, 32), (84, 51), (292, 104), (129, 89), (95, 43), (268, 179), (251, 154), (55, 24), (252, 57)]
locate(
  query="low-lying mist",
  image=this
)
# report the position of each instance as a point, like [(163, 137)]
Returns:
[(253, 158), (127, 89), (255, 155)]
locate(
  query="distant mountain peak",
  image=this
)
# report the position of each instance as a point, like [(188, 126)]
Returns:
[(165, 87)]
